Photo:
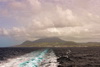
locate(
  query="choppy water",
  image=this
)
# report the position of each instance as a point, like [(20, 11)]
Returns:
[(52, 57), (37, 58)]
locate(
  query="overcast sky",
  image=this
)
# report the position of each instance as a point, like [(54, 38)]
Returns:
[(75, 20)]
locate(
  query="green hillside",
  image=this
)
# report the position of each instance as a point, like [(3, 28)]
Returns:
[(56, 42)]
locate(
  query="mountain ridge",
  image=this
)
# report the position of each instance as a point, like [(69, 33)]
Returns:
[(55, 42)]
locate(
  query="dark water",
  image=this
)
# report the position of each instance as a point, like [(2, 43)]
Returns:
[(78, 56), (12, 52)]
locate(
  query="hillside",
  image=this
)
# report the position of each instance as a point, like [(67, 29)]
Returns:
[(55, 42)]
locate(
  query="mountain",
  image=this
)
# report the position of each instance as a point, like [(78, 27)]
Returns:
[(49, 40), (55, 42), (46, 42), (27, 42)]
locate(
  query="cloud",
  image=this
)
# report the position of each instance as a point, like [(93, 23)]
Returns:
[(16, 5), (34, 3), (40, 18), (4, 32), (3, 0), (4, 12)]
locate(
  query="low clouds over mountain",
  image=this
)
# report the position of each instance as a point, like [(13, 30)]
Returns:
[(68, 19)]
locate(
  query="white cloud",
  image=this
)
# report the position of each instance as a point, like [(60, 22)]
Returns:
[(16, 5), (35, 3), (4, 32), (41, 19)]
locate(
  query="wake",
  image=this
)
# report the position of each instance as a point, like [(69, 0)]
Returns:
[(39, 58)]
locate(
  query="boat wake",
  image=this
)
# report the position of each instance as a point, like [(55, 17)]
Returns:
[(40, 58)]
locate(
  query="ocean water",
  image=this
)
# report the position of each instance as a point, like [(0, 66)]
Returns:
[(48, 57)]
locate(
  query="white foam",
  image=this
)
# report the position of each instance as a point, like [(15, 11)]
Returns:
[(14, 62), (49, 60)]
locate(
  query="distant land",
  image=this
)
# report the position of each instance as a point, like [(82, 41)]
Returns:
[(56, 42)]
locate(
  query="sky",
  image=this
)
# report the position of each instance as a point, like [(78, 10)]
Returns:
[(71, 20)]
